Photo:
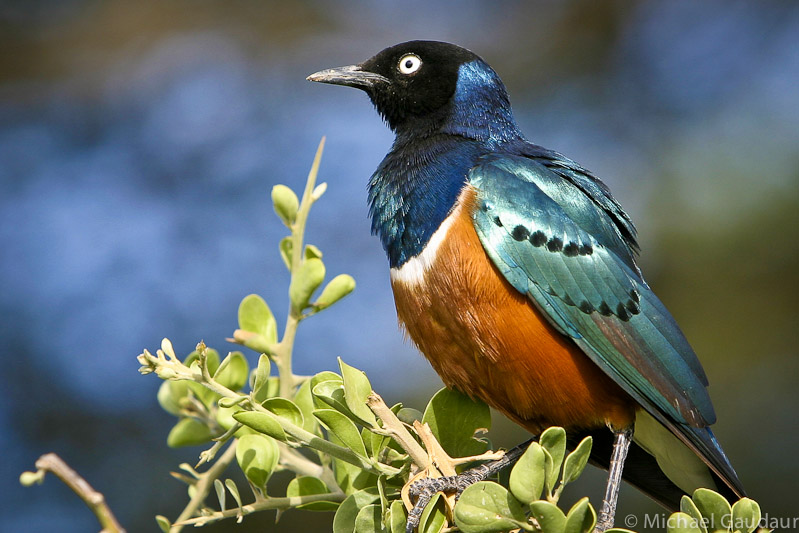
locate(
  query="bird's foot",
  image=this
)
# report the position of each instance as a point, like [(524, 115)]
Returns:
[(423, 490)]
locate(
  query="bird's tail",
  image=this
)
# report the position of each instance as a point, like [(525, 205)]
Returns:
[(642, 470)]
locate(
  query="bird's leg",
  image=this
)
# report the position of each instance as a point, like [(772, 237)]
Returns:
[(621, 445), (424, 489)]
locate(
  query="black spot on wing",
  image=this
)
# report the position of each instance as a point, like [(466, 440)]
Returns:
[(622, 312), (586, 307), (497, 221), (555, 244), (586, 249), (604, 309), (520, 233), (633, 307), (571, 250), (538, 238)]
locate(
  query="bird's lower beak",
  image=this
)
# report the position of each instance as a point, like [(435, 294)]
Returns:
[(351, 76)]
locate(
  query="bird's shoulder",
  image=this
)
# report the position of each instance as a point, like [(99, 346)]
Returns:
[(529, 181)]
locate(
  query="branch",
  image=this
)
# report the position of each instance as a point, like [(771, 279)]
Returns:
[(204, 485), (50, 462), (264, 505), (396, 429), (284, 349)]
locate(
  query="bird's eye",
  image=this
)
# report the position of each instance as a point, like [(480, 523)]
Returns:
[(409, 63)]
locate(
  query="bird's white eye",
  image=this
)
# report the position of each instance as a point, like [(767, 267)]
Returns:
[(409, 63)]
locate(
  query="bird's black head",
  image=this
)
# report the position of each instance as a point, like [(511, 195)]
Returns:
[(431, 86)]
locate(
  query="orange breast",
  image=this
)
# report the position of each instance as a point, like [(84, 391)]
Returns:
[(486, 339)]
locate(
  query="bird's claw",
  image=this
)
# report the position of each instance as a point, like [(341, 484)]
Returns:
[(424, 489)]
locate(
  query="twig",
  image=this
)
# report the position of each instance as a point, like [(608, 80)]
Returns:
[(395, 427), (50, 462), (284, 349), (204, 486), (298, 463), (263, 505)]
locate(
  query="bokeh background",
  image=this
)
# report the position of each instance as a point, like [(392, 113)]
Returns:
[(139, 142)]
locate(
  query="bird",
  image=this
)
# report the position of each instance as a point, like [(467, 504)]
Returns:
[(514, 271)]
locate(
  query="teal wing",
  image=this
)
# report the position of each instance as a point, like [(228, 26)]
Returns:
[(559, 237)]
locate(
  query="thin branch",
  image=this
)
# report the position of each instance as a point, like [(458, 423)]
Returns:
[(204, 486), (396, 429), (264, 505), (298, 463), (284, 349), (50, 462)]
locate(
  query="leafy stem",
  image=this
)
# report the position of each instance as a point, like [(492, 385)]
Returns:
[(264, 504), (284, 349), (204, 484)]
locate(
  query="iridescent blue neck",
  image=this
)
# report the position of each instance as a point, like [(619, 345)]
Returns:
[(480, 107)]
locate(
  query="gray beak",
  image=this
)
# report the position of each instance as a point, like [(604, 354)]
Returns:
[(351, 76)]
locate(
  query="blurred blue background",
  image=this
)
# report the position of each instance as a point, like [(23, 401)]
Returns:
[(139, 142)]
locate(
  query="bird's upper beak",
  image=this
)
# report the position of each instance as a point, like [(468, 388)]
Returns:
[(351, 76)]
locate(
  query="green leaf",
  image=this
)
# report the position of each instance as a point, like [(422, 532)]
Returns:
[(409, 415), (485, 507), (688, 507), (581, 518), (714, 508), (325, 375), (369, 520), (318, 191), (233, 371), (234, 490), (163, 523), (224, 417), (331, 394), (261, 378), (344, 428), (262, 423), (348, 476), (170, 394), (304, 282), (312, 251), (304, 401), (253, 341), (256, 317), (286, 204), (397, 517), (433, 517), (347, 513), (554, 441), (188, 432), (377, 443), (338, 288), (285, 409), (286, 246), (745, 515), (211, 360), (683, 523), (220, 494), (454, 418), (549, 516), (257, 456), (529, 474), (356, 390), (307, 486), (576, 461)]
